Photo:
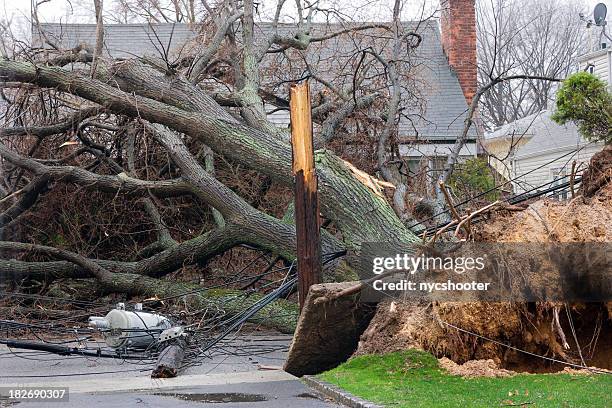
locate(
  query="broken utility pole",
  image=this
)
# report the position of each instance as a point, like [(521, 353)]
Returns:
[(170, 360), (306, 197)]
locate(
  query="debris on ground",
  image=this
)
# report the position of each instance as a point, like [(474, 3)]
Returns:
[(474, 368), (583, 371), (543, 329), (599, 172)]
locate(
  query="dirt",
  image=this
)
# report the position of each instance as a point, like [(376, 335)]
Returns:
[(489, 368), (393, 328), (585, 218), (579, 220), (526, 326), (474, 368), (583, 371), (599, 172), (328, 329), (399, 325)]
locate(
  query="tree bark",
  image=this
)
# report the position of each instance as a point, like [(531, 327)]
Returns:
[(358, 212), (28, 197)]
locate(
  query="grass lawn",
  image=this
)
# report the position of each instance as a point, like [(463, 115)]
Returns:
[(413, 379)]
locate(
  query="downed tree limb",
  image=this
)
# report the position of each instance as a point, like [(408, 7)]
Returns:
[(264, 230), (360, 214), (111, 184), (249, 225), (70, 123), (29, 195), (461, 220), (196, 250), (280, 315)]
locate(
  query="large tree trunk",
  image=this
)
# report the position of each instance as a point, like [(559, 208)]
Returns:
[(174, 107), (359, 213)]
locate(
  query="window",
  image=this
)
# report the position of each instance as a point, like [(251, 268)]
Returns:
[(590, 68), (559, 176), (416, 166), (437, 166)]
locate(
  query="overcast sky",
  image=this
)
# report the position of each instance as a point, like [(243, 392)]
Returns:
[(55, 10), (18, 11)]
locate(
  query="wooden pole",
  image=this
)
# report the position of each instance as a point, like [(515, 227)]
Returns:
[(170, 359), (306, 197)]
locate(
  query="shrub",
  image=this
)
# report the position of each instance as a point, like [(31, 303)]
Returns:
[(472, 177), (585, 100)]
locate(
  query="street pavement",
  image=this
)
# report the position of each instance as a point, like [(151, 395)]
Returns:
[(244, 373)]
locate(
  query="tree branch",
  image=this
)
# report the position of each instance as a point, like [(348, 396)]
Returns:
[(460, 141), (349, 206), (70, 123), (110, 184), (28, 197)]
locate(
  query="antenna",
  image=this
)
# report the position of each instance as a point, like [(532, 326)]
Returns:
[(599, 14)]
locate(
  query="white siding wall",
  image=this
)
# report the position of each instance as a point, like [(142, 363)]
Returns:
[(601, 63), (280, 118), (438, 149), (542, 170)]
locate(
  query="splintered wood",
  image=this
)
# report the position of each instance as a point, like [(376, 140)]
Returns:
[(306, 197), (375, 185)]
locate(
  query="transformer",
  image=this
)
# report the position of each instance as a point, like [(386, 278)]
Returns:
[(130, 329)]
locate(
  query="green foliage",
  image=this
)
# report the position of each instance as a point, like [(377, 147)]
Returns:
[(412, 378), (58, 240), (472, 177), (585, 100)]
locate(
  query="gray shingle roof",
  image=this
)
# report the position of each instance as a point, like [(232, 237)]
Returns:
[(120, 40), (440, 117), (545, 133), (446, 107)]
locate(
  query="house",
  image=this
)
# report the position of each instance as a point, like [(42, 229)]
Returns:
[(536, 150), (598, 62), (444, 68)]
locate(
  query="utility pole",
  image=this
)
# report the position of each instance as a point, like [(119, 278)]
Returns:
[(306, 196)]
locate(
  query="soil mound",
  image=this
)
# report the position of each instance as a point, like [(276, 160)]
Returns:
[(474, 368), (462, 332), (599, 172)]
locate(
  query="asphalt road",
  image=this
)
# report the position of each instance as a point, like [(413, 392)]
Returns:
[(272, 394), (244, 373)]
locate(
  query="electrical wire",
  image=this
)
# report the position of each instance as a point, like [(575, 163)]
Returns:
[(499, 186), (204, 342)]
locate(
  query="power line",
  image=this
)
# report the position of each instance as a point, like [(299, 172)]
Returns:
[(525, 351), (497, 187)]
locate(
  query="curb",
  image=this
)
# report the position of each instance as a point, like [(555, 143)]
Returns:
[(337, 394)]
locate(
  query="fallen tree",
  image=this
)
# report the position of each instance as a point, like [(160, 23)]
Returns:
[(145, 104), (145, 129), (522, 336)]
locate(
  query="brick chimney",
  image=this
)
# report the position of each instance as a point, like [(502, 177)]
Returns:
[(458, 26)]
